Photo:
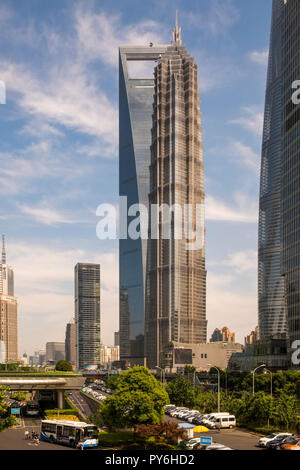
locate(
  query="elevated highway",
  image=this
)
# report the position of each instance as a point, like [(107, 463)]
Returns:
[(57, 383)]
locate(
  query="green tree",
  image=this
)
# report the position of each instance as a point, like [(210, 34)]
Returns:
[(64, 366), (6, 420), (181, 392), (206, 401), (286, 409), (189, 370), (139, 399), (112, 381)]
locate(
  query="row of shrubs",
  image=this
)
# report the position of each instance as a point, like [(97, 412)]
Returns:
[(70, 410)]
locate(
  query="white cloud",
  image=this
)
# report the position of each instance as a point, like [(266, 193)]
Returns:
[(68, 98), (100, 35), (215, 72), (221, 16), (244, 210), (242, 261), (252, 120), (245, 155), (5, 13), (45, 215), (22, 168), (44, 278), (259, 57), (66, 90)]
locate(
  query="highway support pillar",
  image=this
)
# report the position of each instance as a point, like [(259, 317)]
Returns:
[(60, 399)]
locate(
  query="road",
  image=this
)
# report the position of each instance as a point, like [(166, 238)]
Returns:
[(236, 439), (14, 439), (81, 404)]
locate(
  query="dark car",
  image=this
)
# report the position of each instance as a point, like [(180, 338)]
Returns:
[(275, 444), (197, 421)]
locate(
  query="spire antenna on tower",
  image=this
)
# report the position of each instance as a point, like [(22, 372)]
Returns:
[(177, 32), (3, 250)]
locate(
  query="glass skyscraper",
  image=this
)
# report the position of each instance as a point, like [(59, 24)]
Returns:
[(87, 314), (271, 293), (135, 123), (290, 168)]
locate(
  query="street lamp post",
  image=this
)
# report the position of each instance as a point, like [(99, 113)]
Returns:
[(271, 381), (253, 372), (214, 367), (162, 374)]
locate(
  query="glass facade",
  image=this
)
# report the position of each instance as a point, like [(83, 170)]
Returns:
[(87, 314), (290, 168), (271, 299), (135, 123)]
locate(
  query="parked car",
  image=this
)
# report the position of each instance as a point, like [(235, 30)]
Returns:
[(218, 447), (197, 420), (192, 442), (263, 441), (193, 418), (275, 444), (294, 444)]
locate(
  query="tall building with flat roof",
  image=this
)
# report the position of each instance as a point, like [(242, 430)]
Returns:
[(176, 273), (55, 351), (117, 338), (271, 299), (135, 123), (87, 314), (290, 169), (70, 342), (8, 309)]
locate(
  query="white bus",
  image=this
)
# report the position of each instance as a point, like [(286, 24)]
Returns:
[(71, 433)]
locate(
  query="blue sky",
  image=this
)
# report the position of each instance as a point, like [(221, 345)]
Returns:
[(59, 147)]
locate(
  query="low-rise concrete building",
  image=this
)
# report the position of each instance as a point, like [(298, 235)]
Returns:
[(201, 355)]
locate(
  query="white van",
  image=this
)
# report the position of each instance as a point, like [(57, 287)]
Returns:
[(223, 422), (208, 418)]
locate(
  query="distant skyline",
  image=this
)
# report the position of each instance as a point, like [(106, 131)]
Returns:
[(59, 147)]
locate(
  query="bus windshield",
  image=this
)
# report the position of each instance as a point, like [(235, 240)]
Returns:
[(90, 431)]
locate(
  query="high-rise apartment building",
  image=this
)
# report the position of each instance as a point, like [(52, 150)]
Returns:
[(87, 314), (271, 299), (108, 355), (290, 167), (224, 335), (8, 309), (135, 123), (176, 275), (70, 342), (252, 337)]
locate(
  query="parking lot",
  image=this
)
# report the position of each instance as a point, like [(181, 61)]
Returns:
[(236, 439)]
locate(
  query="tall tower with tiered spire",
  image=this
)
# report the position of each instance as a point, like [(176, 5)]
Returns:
[(176, 276), (6, 273)]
